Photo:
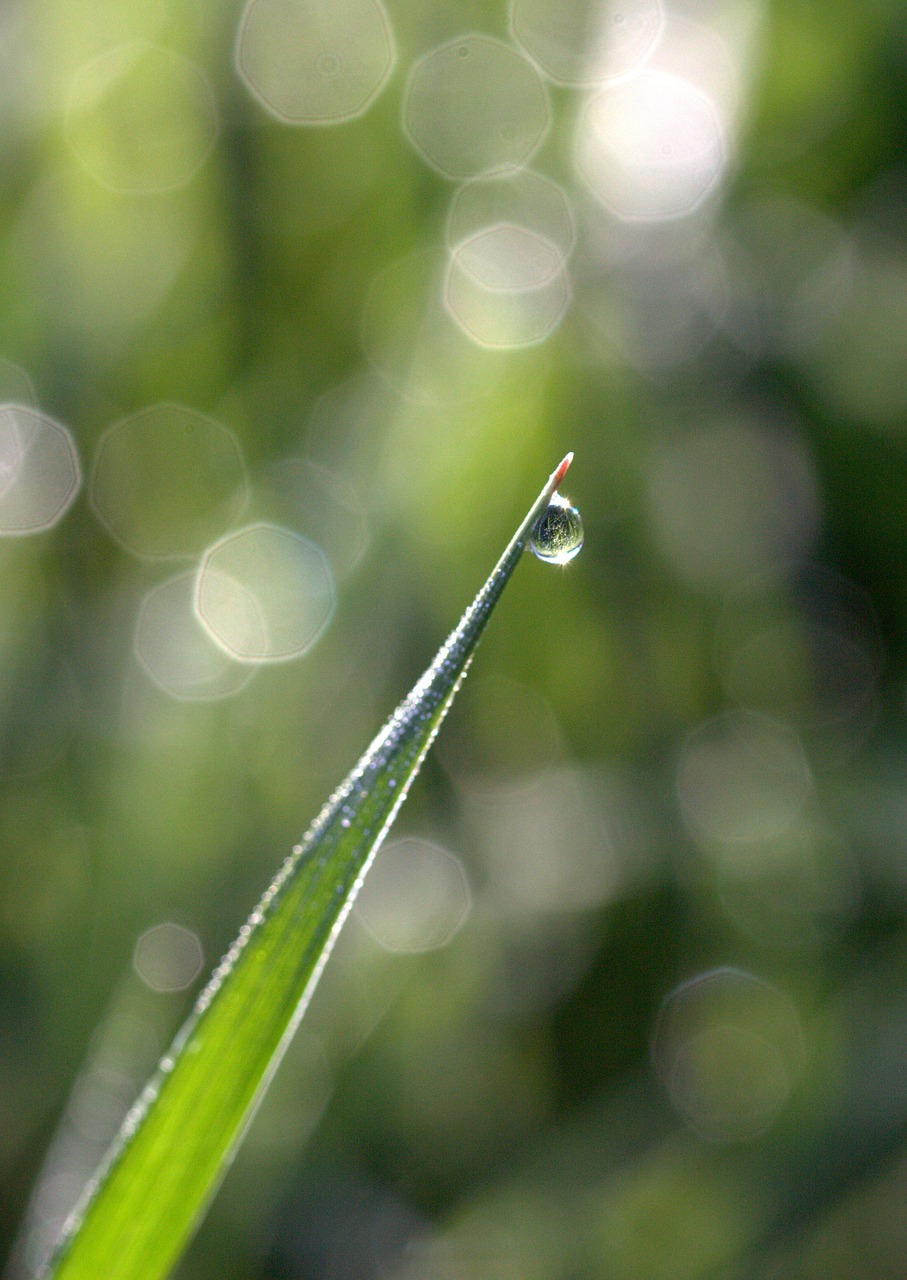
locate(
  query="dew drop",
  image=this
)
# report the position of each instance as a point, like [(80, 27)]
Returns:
[(557, 535)]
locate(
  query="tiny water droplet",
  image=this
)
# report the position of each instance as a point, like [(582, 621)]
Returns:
[(557, 535)]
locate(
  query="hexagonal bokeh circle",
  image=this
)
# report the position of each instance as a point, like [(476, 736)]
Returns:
[(315, 62), (265, 593), (167, 480), (475, 105), (40, 473), (141, 118)]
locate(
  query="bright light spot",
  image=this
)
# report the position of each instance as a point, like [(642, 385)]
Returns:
[(742, 777), (415, 897), (732, 499), (728, 1048), (412, 340), (709, 55), (315, 62), (587, 42), (141, 118), (510, 236), (508, 259), (473, 106), (264, 593), (505, 287), (177, 652), (652, 147), (39, 471), (167, 480), (523, 199), (168, 957)]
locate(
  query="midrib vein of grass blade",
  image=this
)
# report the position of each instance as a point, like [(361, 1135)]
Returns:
[(178, 1140)]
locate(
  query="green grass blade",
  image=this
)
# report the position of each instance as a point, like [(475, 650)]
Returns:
[(179, 1138)]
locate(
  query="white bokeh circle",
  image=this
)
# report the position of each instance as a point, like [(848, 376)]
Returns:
[(264, 593)]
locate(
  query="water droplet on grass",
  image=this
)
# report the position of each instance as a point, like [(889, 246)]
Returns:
[(557, 535)]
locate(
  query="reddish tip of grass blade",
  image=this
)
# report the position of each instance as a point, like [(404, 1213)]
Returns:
[(562, 470)]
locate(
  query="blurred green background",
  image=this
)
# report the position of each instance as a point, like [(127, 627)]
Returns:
[(624, 995)]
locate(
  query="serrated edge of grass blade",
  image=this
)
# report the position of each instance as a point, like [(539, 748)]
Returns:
[(270, 972)]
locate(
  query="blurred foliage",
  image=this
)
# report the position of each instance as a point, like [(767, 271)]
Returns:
[(678, 768)]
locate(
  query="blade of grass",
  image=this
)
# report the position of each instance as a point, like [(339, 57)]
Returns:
[(178, 1140)]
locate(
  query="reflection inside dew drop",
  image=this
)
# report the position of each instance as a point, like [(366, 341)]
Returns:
[(557, 535)]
